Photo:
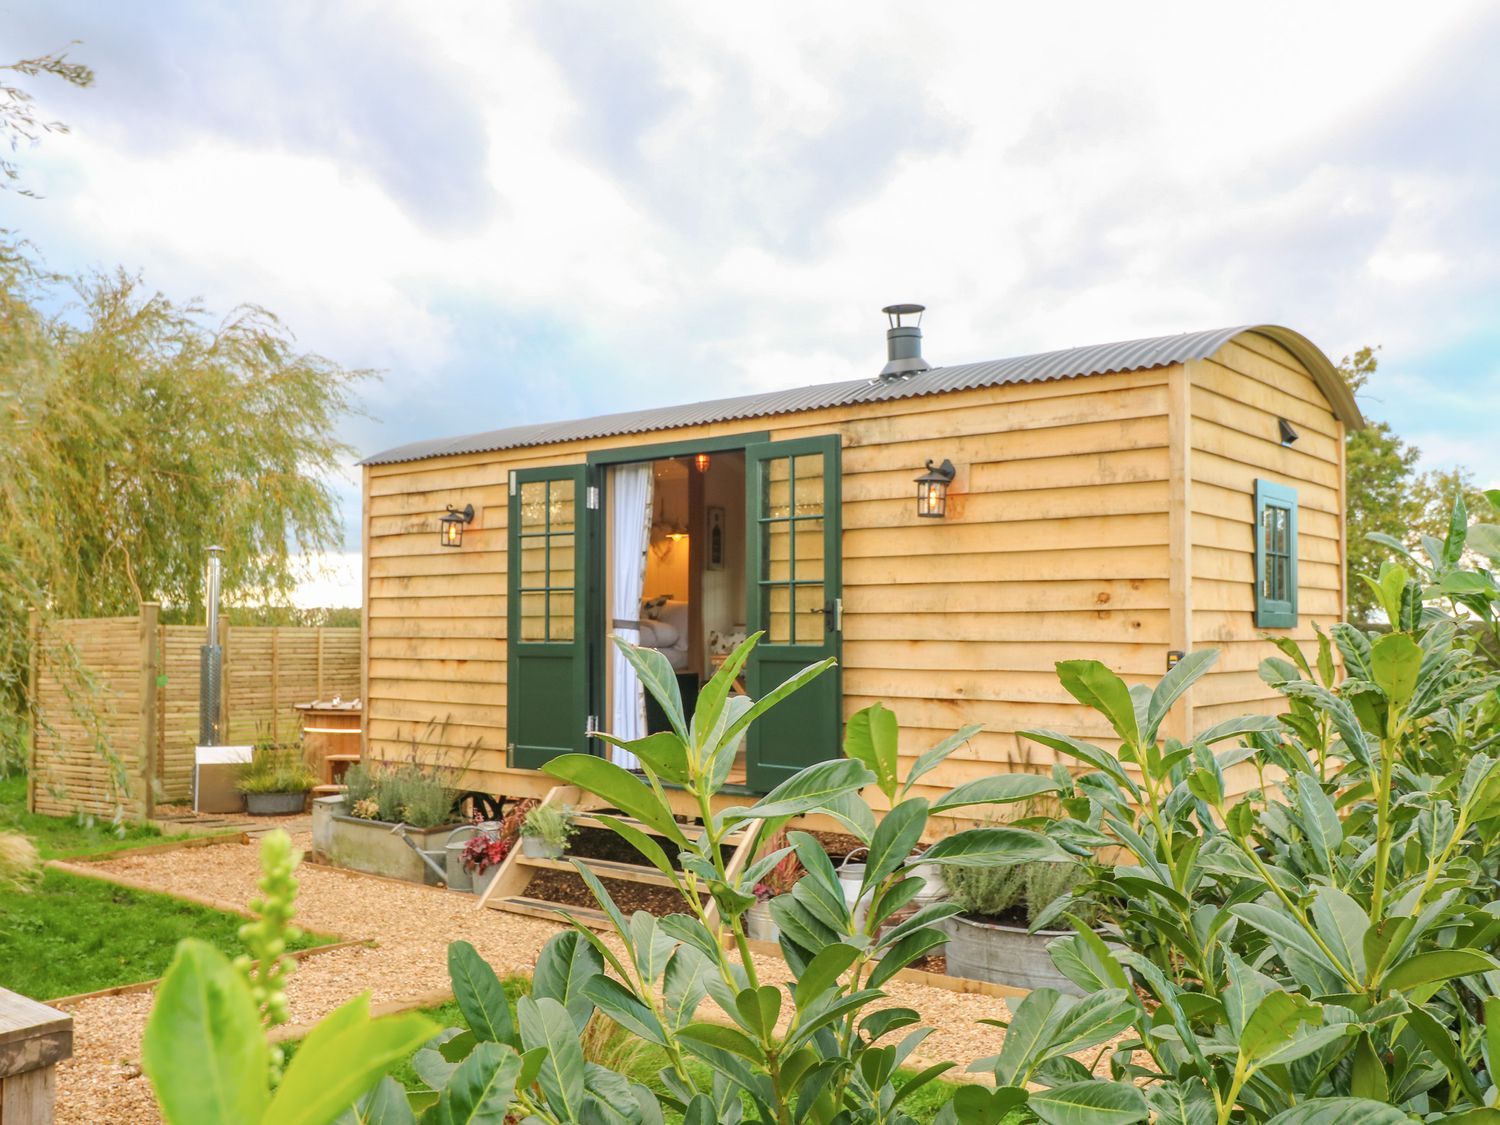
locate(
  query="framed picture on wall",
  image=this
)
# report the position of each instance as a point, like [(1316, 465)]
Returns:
[(715, 556)]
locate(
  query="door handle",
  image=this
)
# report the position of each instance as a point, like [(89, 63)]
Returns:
[(833, 614)]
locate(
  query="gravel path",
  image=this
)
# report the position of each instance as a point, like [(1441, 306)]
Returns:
[(411, 926)]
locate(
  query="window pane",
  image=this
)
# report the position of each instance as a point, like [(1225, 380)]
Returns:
[(560, 628), (560, 501), (1281, 529), (776, 488), (808, 621), (778, 615), (561, 558), (533, 617), (778, 540), (809, 537), (534, 506), (809, 485), (534, 562)]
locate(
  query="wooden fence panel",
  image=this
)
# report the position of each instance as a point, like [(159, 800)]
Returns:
[(95, 667), (146, 675)]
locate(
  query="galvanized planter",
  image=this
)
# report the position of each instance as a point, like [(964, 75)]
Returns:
[(374, 847), (534, 847), (275, 804), (759, 924), (1001, 954)]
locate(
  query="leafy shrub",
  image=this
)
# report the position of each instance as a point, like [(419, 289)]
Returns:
[(273, 769), (1026, 888), (551, 824), (205, 1048), (411, 792)]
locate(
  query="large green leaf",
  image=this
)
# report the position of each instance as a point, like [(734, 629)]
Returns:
[(663, 753), (660, 679), (1026, 1040), (341, 1058), (203, 1047), (1090, 1103), (998, 789), (481, 1090), (1179, 678), (931, 759), (1437, 965), (823, 972), (870, 737), (621, 1005), (1395, 662), (1094, 685), (1276, 1020), (479, 994), (1341, 1111), (982, 847), (794, 682), (808, 789), (387, 1104), (546, 1024), (684, 984), (566, 964), (1285, 933), (621, 788), (1236, 727), (896, 835), (1485, 539), (1182, 1103), (1095, 756), (708, 723)]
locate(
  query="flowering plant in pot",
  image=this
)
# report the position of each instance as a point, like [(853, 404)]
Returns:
[(275, 781), (487, 849), (546, 831), (779, 880)]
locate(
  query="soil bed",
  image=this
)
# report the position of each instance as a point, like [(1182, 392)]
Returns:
[(570, 890)]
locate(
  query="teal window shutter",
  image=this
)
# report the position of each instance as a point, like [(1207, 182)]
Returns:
[(1275, 555)]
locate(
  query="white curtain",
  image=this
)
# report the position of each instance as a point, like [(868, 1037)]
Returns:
[(630, 531)]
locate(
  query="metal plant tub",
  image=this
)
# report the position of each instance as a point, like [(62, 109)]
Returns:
[(1001, 954), (275, 804), (373, 846)]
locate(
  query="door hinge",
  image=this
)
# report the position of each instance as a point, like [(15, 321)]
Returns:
[(512, 482), (592, 501), (838, 615)]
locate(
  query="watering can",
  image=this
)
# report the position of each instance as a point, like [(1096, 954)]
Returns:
[(460, 878)]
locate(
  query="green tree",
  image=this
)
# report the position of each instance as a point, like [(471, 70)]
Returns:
[(20, 124), (138, 431), (1388, 494)]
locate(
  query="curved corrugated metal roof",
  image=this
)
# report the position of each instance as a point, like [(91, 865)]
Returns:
[(1070, 363)]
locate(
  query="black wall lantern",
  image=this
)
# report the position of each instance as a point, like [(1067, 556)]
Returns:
[(932, 490), (451, 525)]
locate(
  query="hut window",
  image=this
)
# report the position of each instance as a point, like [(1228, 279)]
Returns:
[(547, 587), (1275, 555)]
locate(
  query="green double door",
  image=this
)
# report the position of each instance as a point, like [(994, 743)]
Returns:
[(558, 645)]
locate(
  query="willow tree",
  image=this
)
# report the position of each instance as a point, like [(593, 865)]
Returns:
[(138, 431)]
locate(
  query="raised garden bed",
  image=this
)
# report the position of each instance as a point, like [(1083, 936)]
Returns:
[(373, 846)]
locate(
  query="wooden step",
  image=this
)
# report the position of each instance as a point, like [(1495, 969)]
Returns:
[(588, 820), (328, 790), (590, 916), (603, 868), (341, 757)]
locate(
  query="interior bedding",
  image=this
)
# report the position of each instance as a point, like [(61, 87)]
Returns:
[(668, 634)]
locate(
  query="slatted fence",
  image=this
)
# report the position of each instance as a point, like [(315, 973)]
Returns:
[(116, 702)]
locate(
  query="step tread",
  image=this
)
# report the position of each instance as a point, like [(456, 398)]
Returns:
[(604, 868), (341, 757), (553, 911), (589, 820)]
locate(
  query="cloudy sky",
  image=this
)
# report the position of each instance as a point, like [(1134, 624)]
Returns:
[(536, 210)]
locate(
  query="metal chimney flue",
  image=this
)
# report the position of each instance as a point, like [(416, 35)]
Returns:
[(903, 342), (210, 656)]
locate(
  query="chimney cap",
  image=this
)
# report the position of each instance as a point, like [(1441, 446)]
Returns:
[(904, 343), (895, 312)]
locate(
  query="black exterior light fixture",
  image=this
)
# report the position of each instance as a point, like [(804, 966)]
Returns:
[(451, 525), (1288, 435), (932, 490)]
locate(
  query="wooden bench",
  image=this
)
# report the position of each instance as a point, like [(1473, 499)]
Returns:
[(33, 1040)]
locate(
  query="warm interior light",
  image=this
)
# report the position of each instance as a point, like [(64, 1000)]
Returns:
[(932, 490), (701, 462)]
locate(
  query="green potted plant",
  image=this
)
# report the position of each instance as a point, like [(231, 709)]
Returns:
[(546, 831), (275, 781), (992, 939)]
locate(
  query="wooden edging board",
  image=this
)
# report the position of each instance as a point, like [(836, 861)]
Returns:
[(206, 841), (146, 985)]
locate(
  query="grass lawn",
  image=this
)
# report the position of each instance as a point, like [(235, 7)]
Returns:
[(63, 837), (640, 1061), (70, 934)]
